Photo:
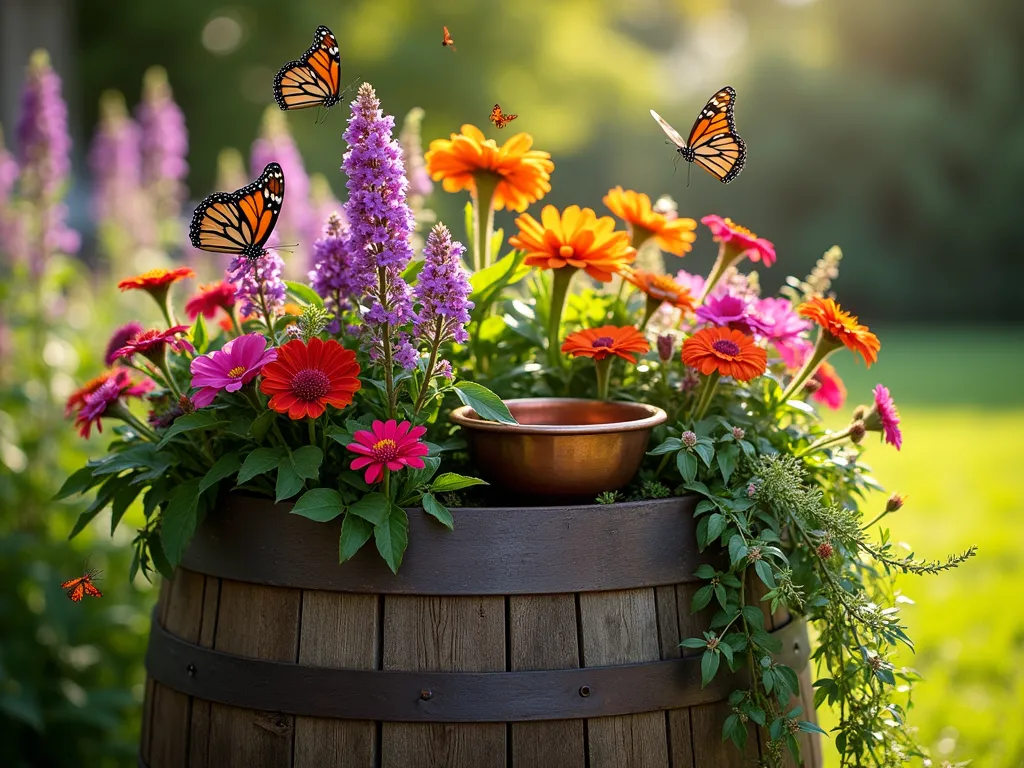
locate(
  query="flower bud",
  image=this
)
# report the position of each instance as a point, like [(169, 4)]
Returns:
[(186, 405), (895, 502), (690, 380), (857, 432), (812, 385), (751, 491), (738, 433), (825, 550), (666, 346), (689, 439), (860, 412)]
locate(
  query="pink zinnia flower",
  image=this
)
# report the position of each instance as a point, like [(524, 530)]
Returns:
[(229, 368), (118, 339), (831, 390), (885, 418), (740, 240), (693, 283), (776, 321), (388, 445), (105, 400), (729, 311), (154, 343)]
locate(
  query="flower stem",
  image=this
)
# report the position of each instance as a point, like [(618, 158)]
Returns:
[(166, 370), (120, 411), (649, 310), (429, 373), (825, 441), (603, 369), (726, 259), (385, 336), (312, 431), (560, 281), (706, 394), (483, 218), (824, 347), (387, 483), (234, 322)]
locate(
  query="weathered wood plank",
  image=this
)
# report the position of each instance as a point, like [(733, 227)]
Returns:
[(338, 630), (444, 634), (542, 635), (199, 725), (181, 613), (617, 628), (147, 705), (668, 600), (263, 623)]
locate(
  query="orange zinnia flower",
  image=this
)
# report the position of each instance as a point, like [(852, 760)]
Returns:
[(729, 352), (842, 328), (672, 235), (305, 379), (599, 343), (155, 279), (660, 288), (576, 238), (523, 174)]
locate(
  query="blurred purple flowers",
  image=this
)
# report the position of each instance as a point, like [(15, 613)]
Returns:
[(164, 144), (276, 145)]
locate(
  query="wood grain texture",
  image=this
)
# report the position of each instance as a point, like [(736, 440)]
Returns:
[(338, 630), (444, 634), (542, 635), (147, 704), (617, 628), (263, 623), (677, 721), (181, 612), (199, 723)]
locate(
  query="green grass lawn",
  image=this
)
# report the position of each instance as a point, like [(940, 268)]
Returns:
[(960, 467)]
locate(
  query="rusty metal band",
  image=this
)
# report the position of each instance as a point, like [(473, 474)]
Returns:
[(503, 551), (444, 697)]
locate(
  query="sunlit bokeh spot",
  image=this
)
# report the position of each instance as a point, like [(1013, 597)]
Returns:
[(222, 35)]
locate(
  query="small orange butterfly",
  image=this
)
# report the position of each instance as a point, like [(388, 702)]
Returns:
[(82, 586), (499, 119), (448, 39)]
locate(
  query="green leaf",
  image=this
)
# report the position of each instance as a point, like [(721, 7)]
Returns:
[(354, 533), (451, 481), (808, 727), (686, 463), (411, 272), (467, 215), (437, 510), (320, 504), (239, 426), (189, 423), (261, 425), (764, 572), (708, 667), (145, 455), (787, 678), (670, 445), (706, 451), (259, 462), (726, 650), (373, 507), (392, 537), (414, 478), (79, 482), (200, 338), (306, 462), (304, 293), (737, 549), (720, 595), (120, 503), (701, 598), (716, 524), (288, 481), (727, 456), (104, 496), (226, 466), (156, 554), (705, 571), (487, 405), (179, 520), (694, 642)]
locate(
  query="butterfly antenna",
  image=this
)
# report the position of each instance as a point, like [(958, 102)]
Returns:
[(358, 79), (288, 248), (689, 167)]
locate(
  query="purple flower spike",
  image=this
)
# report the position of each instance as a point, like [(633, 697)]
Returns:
[(259, 280), (164, 144), (341, 275), (443, 290), (114, 158)]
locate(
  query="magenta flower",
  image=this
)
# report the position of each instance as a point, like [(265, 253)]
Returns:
[(729, 311), (740, 240), (775, 320), (831, 390), (388, 445), (885, 418), (693, 283), (229, 368), (105, 400), (154, 344), (119, 339)]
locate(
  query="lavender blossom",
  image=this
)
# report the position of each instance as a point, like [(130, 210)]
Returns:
[(442, 291), (340, 274), (405, 353), (275, 145), (260, 288), (164, 144)]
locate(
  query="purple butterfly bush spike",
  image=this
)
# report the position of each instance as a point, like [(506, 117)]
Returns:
[(260, 287), (340, 274), (442, 291), (164, 144)]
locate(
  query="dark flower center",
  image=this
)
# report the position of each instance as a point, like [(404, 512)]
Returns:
[(726, 347), (385, 450), (602, 341), (310, 384)]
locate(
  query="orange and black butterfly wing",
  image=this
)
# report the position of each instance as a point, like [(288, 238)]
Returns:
[(90, 589), (72, 583), (447, 38), (315, 79), (713, 142), (77, 592), (240, 222), (499, 119)]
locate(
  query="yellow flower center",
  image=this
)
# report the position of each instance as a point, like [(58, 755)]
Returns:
[(385, 450), (737, 228), (566, 251), (236, 372)]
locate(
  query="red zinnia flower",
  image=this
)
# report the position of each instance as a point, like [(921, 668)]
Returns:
[(105, 399), (154, 343), (599, 343), (155, 279), (388, 445), (210, 298), (305, 379), (730, 352)]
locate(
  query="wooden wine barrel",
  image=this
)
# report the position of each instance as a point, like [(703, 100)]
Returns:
[(527, 637)]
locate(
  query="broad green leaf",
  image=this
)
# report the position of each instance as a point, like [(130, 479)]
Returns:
[(392, 537), (200, 338), (258, 462), (104, 496), (79, 482), (288, 481), (726, 650), (701, 598), (320, 504), (411, 272), (414, 478), (727, 456), (694, 642), (764, 572), (670, 445), (716, 524), (486, 404), (706, 452), (686, 463), (373, 507), (159, 559), (189, 423), (708, 667), (179, 520), (355, 532), (306, 462), (261, 425), (808, 727), (239, 426), (704, 571), (436, 509), (304, 293), (450, 481), (120, 503), (226, 466), (737, 549), (144, 455)]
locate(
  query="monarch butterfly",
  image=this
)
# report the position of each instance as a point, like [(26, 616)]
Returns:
[(448, 39), (499, 119), (713, 142), (315, 79), (240, 222), (82, 586)]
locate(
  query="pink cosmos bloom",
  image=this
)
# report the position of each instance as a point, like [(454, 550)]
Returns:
[(740, 239), (388, 445), (105, 398), (885, 418), (776, 321), (119, 338), (729, 311), (153, 343), (831, 390), (229, 368)]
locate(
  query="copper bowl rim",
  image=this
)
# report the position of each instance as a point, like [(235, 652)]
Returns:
[(655, 416)]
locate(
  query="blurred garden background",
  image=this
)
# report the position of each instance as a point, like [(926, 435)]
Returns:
[(894, 129)]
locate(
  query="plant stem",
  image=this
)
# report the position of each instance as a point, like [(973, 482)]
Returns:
[(725, 259), (649, 309), (706, 394), (824, 347), (603, 370), (389, 374), (312, 431), (234, 322), (387, 483), (560, 280), (483, 218), (825, 441), (429, 373)]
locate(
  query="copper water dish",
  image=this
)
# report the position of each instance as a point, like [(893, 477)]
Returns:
[(562, 447)]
